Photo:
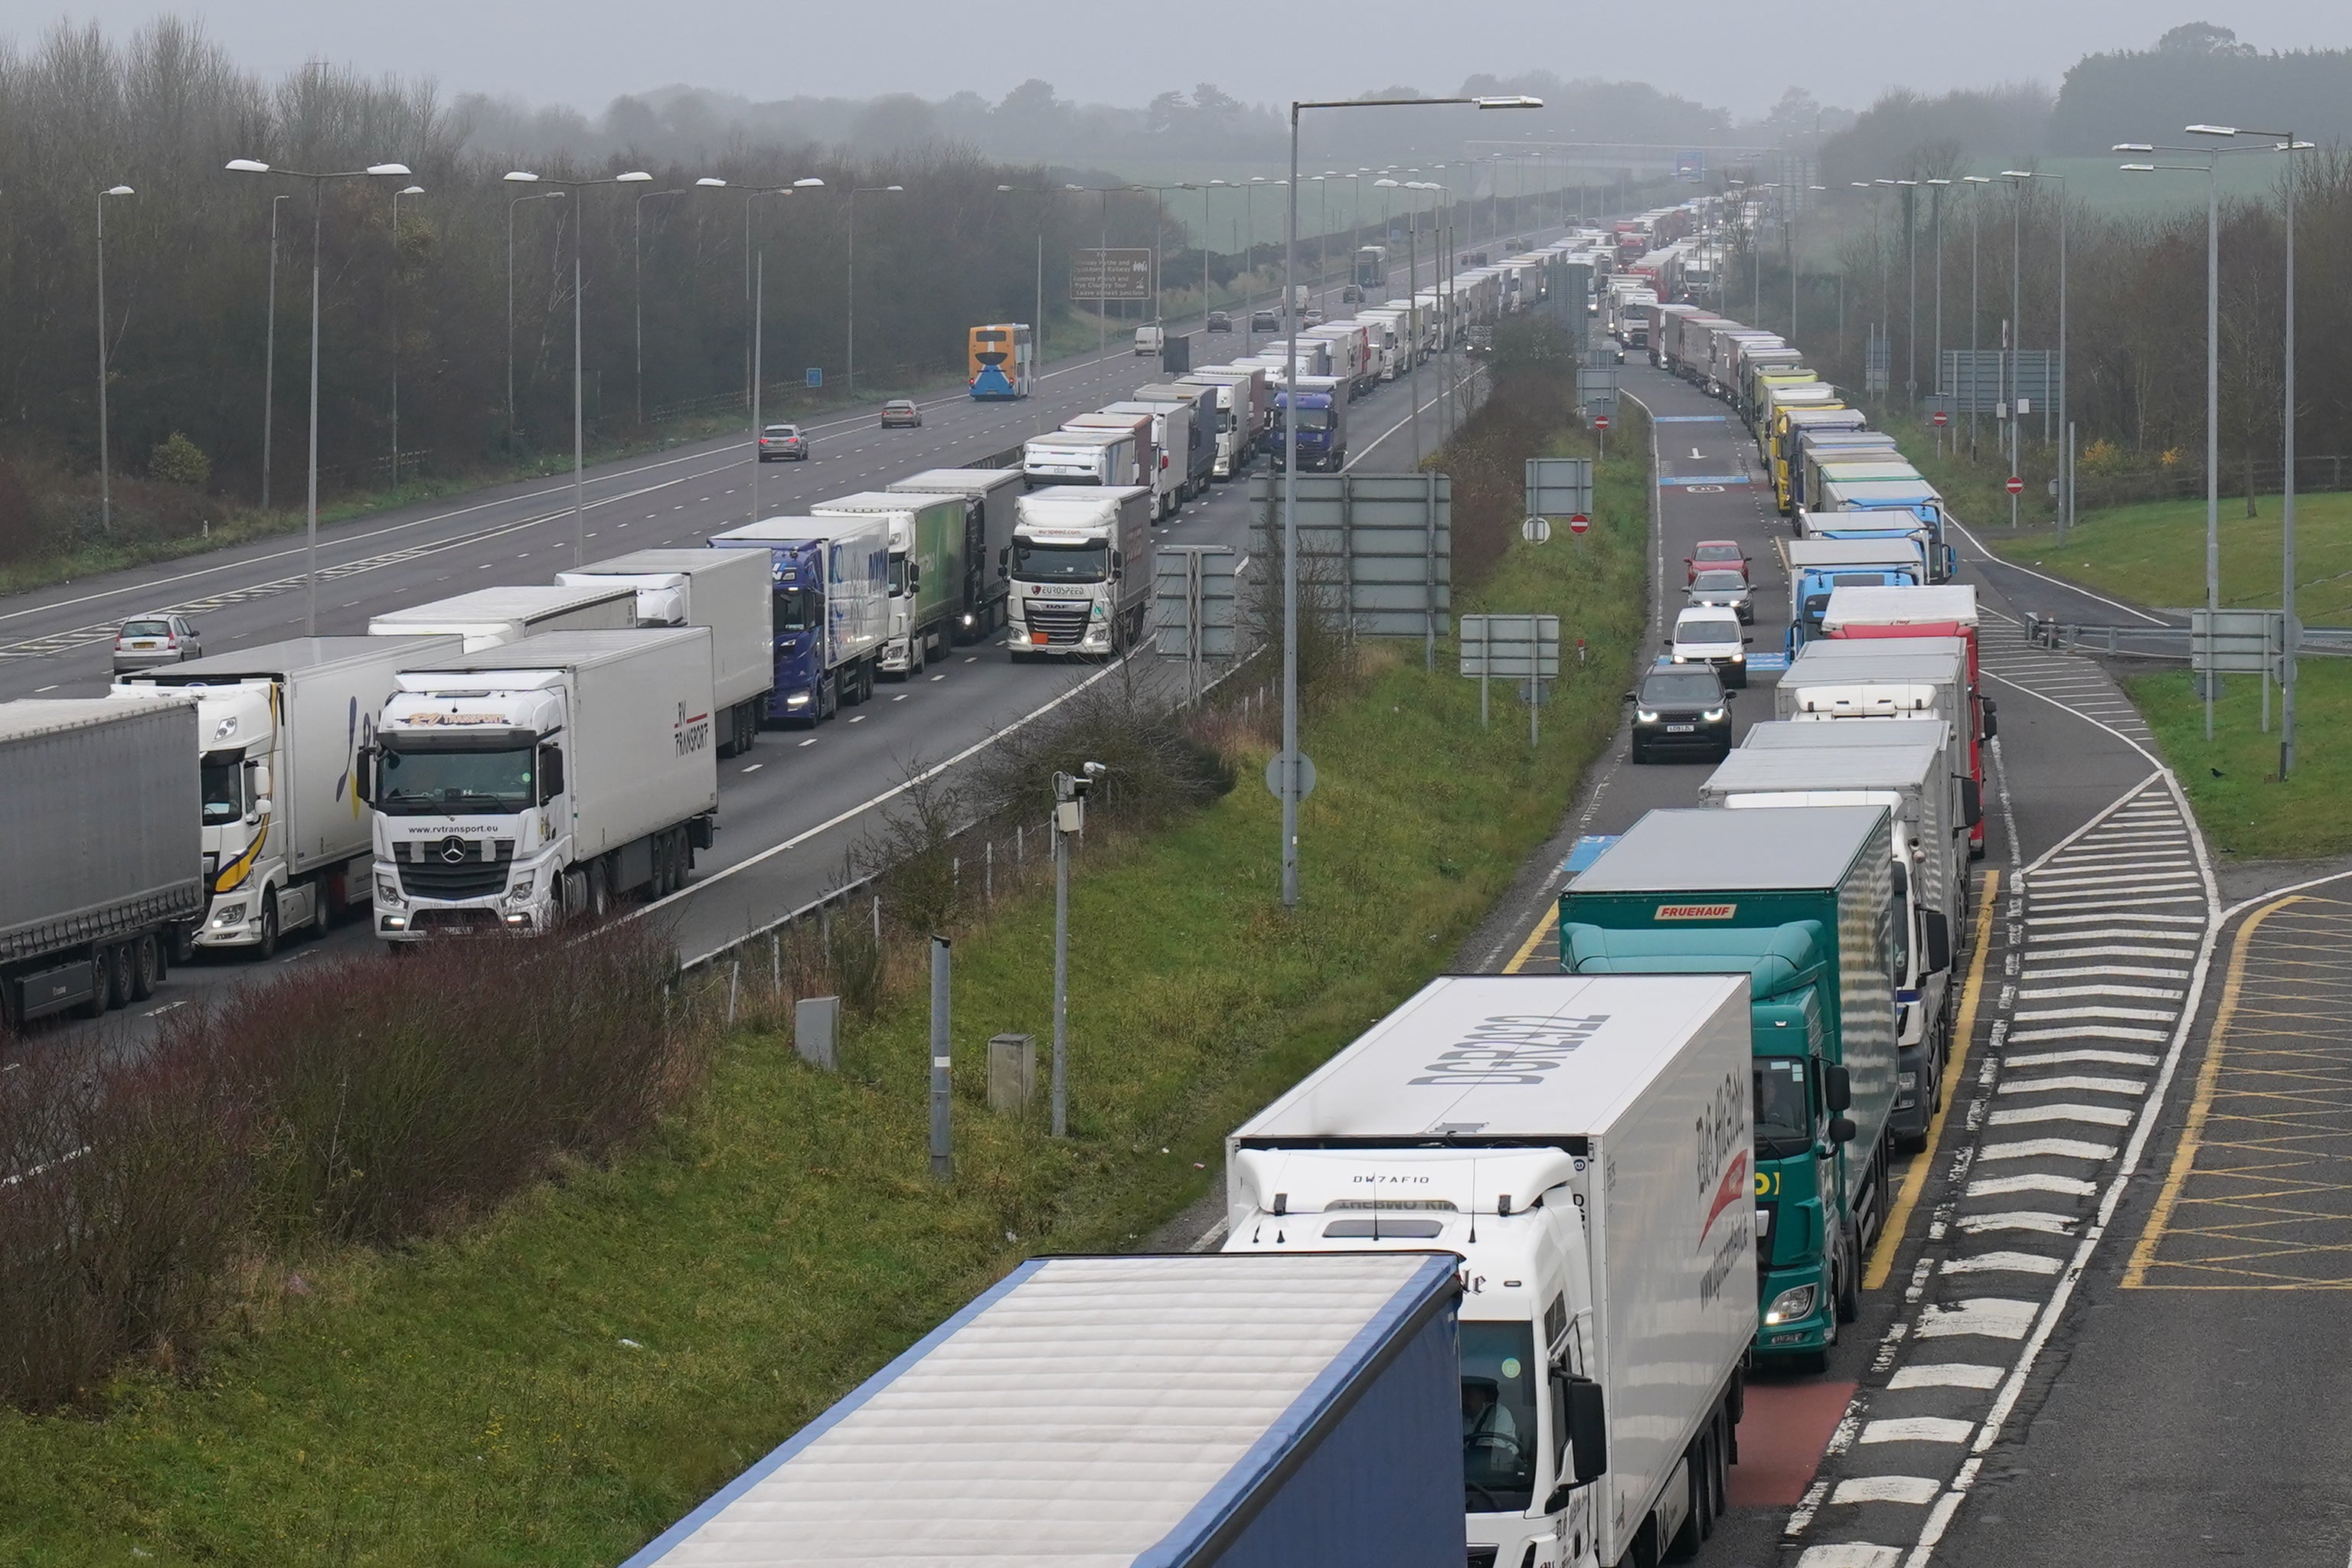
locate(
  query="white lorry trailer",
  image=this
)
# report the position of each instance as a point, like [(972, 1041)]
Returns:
[(1584, 1144), (927, 536), (1109, 458), (1172, 434), (99, 806), (988, 497), (488, 617), (1163, 476), (724, 590), (1243, 406), (1914, 784), (1194, 1411), (288, 842), (549, 777), (1080, 571)]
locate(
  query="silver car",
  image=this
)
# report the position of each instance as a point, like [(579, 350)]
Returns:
[(1725, 588), (142, 641)]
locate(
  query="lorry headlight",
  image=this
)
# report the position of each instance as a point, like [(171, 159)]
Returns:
[(230, 915), (522, 885), (387, 891), (797, 700), (1906, 1081), (1791, 1304)]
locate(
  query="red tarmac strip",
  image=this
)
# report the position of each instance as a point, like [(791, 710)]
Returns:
[(1782, 1431)]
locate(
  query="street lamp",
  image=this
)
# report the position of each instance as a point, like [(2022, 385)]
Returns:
[(750, 370), (2284, 142), (1976, 311), (2066, 468), (1210, 185), (1291, 765), (849, 373), (540, 196), (637, 272), (269, 353), (579, 438), (1411, 304), (1159, 228), (105, 476), (310, 505), (1935, 225), (1037, 327), (404, 191)]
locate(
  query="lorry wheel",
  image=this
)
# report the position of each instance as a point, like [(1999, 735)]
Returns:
[(268, 947), (919, 654), (146, 967), (1848, 1294), (100, 992), (599, 891), (576, 893)]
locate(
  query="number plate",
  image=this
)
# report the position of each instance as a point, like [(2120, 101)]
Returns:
[(1681, 728)]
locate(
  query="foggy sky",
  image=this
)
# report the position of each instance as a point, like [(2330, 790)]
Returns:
[(1734, 54)]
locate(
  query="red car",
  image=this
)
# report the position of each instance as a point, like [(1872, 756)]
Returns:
[(1722, 554)]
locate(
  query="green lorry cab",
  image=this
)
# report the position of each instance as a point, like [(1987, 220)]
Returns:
[(1808, 911)]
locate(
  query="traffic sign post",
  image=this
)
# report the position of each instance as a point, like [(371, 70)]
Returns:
[(2016, 486), (1942, 418), (1601, 429), (1524, 648), (1579, 523)]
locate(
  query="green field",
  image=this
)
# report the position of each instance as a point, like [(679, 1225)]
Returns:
[(2154, 554), (557, 1384), (2232, 781)]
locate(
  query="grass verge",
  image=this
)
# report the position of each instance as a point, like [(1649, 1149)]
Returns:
[(2232, 780), (2154, 554), (559, 1383)]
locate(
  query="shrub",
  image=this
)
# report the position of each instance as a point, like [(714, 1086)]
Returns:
[(180, 461), (366, 1100)]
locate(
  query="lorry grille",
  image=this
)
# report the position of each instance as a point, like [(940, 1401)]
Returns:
[(454, 868), (1063, 622)]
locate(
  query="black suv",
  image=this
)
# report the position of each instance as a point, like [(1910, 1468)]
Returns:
[(1681, 707)]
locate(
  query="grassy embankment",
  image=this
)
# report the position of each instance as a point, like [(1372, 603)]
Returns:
[(560, 1383)]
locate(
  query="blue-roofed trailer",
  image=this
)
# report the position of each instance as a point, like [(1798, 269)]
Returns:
[(1249, 1411)]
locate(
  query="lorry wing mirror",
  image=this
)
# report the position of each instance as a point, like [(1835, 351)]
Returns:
[(1588, 1431), (1991, 722), (262, 806), (1971, 803), (1843, 1130), (1837, 1088), (363, 775), (1938, 933), (551, 773), (261, 779)]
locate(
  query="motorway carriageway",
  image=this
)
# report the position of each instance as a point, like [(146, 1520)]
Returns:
[(792, 808)]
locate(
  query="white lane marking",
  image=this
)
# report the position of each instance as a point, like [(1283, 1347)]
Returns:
[(1917, 1430), (2140, 971), (900, 698), (755, 767), (1946, 1374), (2065, 1059), (2146, 992), (2047, 1148), (2001, 1263), (809, 741), (1850, 1554), (2071, 1084), (1991, 559), (2039, 1221), (2086, 1031), (859, 718), (39, 689), (1994, 1317), (2057, 1015), (2029, 1115), (2119, 931), (1919, 1489), (2003, 1187)]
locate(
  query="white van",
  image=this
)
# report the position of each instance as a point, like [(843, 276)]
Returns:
[(1710, 634), (1151, 339)]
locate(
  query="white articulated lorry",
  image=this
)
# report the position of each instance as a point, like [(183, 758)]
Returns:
[(1584, 1144), (289, 843), (988, 496), (1080, 571), (1112, 458), (1163, 476), (488, 617), (548, 777), (724, 590), (99, 810), (1243, 406)]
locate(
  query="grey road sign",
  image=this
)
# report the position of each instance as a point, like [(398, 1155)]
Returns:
[(1559, 486), (1596, 388), (1111, 275), (2245, 641), (1384, 540), (1511, 647), (1979, 380), (1195, 591), (1275, 766)]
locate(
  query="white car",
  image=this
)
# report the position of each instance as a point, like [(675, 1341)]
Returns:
[(1707, 633)]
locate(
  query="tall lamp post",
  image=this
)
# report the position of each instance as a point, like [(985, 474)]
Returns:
[(105, 465), (637, 275), (1935, 189), (1291, 766), (269, 353), (1976, 184), (849, 373), (2284, 142), (751, 193), (578, 422), (518, 201), (2066, 467), (311, 504), (1037, 327), (404, 191)]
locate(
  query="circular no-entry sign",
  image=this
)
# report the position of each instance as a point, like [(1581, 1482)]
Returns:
[(2016, 486), (1942, 418), (1600, 422), (1578, 522)]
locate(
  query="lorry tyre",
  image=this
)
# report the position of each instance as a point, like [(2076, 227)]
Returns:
[(599, 891), (576, 893), (1847, 1292), (146, 967), (268, 947), (918, 652), (100, 991), (114, 973)]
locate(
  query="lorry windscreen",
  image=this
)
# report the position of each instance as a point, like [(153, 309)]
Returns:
[(223, 779), (797, 609), (1034, 562), (1498, 1417), (1314, 419), (1783, 1108), (451, 779)]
